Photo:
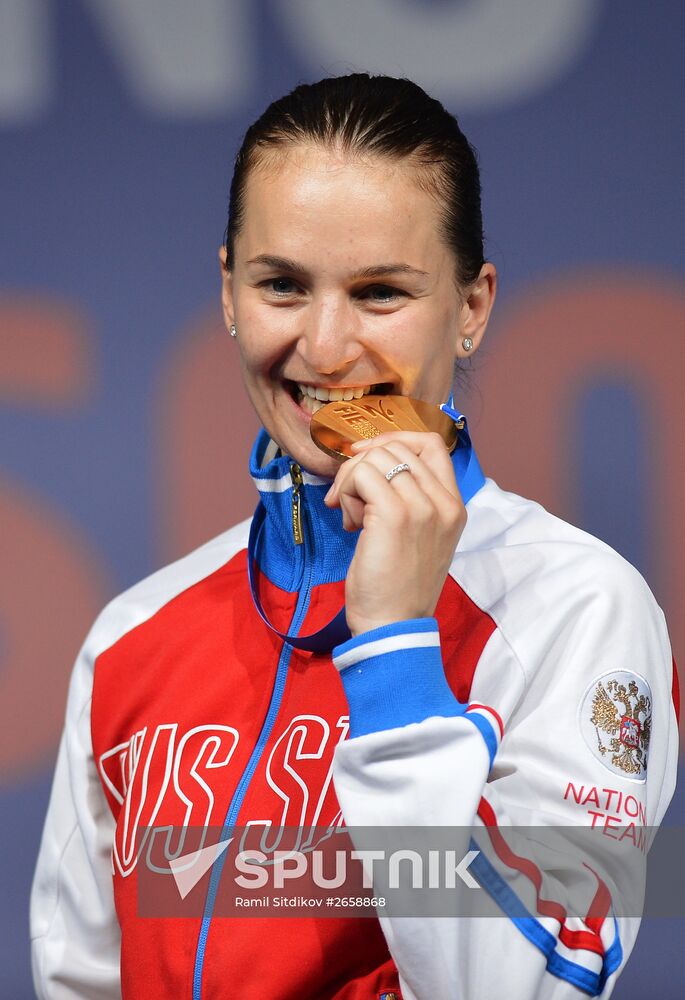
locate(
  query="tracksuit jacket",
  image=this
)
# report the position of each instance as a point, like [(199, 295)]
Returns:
[(541, 694)]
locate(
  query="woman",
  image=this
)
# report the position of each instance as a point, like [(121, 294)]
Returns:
[(505, 668)]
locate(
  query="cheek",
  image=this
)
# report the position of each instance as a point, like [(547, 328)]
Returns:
[(265, 334), (434, 366), (254, 354), (419, 340), (260, 347)]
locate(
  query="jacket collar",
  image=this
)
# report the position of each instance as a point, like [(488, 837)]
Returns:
[(327, 549)]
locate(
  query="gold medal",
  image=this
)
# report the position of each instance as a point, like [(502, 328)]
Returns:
[(336, 426)]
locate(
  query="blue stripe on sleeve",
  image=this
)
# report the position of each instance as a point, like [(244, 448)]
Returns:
[(487, 732), (558, 965), (393, 688)]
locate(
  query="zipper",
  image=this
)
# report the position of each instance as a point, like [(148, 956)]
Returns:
[(301, 607), (296, 512)]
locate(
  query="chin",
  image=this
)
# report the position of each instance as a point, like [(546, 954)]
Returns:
[(315, 461), (289, 427), (299, 447)]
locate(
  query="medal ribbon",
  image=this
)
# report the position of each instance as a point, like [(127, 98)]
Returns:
[(469, 477)]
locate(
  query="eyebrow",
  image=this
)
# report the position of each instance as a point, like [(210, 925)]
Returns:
[(278, 263), (373, 271), (383, 270)]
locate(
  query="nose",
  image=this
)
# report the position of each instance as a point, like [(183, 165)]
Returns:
[(330, 338)]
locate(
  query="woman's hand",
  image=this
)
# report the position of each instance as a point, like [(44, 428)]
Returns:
[(410, 527)]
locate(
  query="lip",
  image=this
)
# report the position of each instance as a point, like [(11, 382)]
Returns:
[(303, 414), (336, 385)]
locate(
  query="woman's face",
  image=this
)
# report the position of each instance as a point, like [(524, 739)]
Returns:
[(342, 283)]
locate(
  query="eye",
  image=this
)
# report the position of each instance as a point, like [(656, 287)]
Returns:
[(280, 286), (382, 294)]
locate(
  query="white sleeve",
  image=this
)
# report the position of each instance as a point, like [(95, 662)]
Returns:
[(417, 757), (75, 940)]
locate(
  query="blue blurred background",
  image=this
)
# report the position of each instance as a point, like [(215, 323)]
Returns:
[(123, 425)]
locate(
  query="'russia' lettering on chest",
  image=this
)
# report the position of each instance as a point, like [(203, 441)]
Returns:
[(165, 775)]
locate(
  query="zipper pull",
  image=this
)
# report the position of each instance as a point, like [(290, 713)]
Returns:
[(296, 476)]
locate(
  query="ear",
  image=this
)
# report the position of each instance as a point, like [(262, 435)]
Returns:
[(475, 311), (226, 289)]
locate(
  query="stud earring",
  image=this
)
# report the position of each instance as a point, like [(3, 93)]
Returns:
[(467, 343), (232, 330)]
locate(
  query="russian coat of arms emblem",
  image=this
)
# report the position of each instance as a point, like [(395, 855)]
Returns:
[(622, 718)]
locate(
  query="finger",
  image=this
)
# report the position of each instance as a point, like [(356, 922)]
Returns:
[(418, 441), (383, 459), (352, 512), (394, 456), (367, 495), (445, 499), (434, 472), (400, 499), (427, 446), (346, 469), (437, 501)]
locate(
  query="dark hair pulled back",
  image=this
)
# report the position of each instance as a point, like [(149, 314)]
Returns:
[(379, 115)]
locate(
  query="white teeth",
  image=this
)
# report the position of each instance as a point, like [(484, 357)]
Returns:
[(324, 395), (311, 405)]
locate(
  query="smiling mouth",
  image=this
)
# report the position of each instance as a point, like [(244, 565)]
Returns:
[(311, 398)]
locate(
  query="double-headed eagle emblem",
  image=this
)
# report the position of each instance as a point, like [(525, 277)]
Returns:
[(624, 734)]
